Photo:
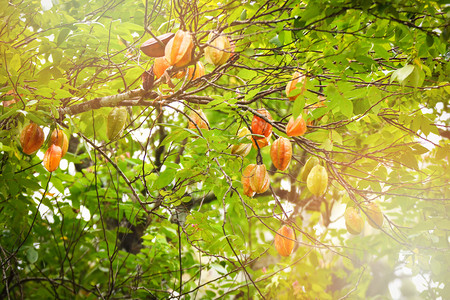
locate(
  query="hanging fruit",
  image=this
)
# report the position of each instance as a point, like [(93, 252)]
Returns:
[(199, 118), (215, 53), (310, 163), (298, 82), (59, 138), (262, 142), (296, 127), (52, 157), (317, 180), (374, 215), (285, 240), (259, 179), (31, 138), (281, 153), (260, 126), (116, 122), (353, 221), (153, 48), (148, 79), (160, 66), (242, 149), (178, 51), (196, 71), (245, 180)]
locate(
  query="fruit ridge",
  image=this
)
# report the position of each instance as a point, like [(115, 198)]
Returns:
[(281, 153), (296, 127), (260, 126), (284, 241), (178, 51), (214, 54), (317, 180), (353, 221), (199, 118), (52, 157), (59, 138), (31, 138), (116, 122)]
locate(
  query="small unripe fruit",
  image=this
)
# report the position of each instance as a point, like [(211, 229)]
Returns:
[(317, 180), (310, 163), (215, 53), (242, 149), (116, 122), (285, 240), (353, 221), (31, 138)]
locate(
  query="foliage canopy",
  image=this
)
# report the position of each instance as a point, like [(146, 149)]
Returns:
[(160, 211)]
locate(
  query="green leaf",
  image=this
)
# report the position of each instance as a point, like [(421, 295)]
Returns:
[(346, 107), (246, 74), (299, 104), (401, 74), (311, 12), (276, 41), (32, 255), (165, 178), (8, 114), (15, 63)]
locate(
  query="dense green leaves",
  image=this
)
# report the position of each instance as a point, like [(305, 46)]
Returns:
[(161, 213)]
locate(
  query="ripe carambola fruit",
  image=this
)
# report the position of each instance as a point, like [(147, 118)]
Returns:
[(296, 127), (374, 215), (31, 138), (59, 138), (285, 240), (292, 85), (353, 221), (197, 71), (178, 51), (310, 163), (214, 54), (260, 126), (281, 153), (255, 179), (199, 118), (242, 149), (52, 157), (259, 179), (246, 174), (160, 66), (262, 142), (317, 180), (116, 122)]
